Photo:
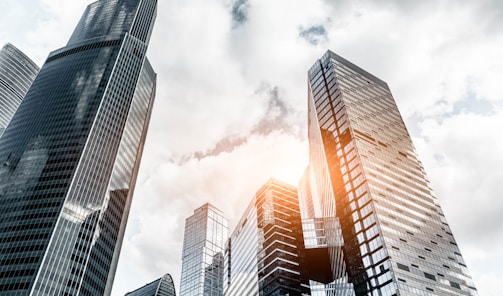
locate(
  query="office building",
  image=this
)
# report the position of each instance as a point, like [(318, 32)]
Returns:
[(70, 156), (395, 238), (17, 72), (163, 286), (323, 241), (204, 243), (265, 253)]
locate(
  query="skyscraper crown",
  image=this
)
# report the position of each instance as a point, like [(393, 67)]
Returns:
[(111, 19)]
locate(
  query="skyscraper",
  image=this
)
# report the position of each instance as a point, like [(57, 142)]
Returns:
[(265, 255), (365, 174), (70, 156), (323, 241), (17, 72), (203, 249), (163, 286)]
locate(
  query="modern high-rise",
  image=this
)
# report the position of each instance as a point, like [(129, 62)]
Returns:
[(17, 72), (163, 286), (366, 176), (203, 250), (323, 241), (69, 157), (265, 253)]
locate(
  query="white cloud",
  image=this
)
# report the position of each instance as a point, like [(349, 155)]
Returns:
[(463, 155), (39, 26), (427, 54)]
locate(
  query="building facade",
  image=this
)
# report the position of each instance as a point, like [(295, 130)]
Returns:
[(265, 255), (70, 156), (396, 240), (204, 243), (323, 241), (163, 286), (17, 72), (240, 260)]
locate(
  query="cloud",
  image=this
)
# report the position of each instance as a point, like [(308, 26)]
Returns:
[(314, 34), (240, 12), (473, 105), (462, 149), (278, 116), (227, 145), (36, 23)]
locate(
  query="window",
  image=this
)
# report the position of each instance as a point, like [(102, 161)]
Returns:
[(402, 266), (429, 276), (455, 285)]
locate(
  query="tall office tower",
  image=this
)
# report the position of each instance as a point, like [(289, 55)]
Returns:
[(70, 156), (323, 241), (17, 72), (202, 256), (265, 254), (396, 238), (160, 287)]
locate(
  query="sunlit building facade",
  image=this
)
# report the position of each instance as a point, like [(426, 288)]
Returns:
[(323, 241), (204, 244), (70, 156), (17, 72), (394, 237), (163, 286), (265, 253)]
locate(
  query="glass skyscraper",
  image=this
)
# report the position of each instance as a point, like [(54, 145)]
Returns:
[(17, 72), (265, 254), (366, 176), (70, 156), (163, 286), (323, 239), (202, 255)]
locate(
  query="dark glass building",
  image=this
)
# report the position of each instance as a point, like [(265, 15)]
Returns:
[(202, 255), (265, 254), (17, 72), (160, 287), (366, 176), (70, 156)]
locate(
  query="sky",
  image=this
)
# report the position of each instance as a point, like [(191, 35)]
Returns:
[(231, 107)]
